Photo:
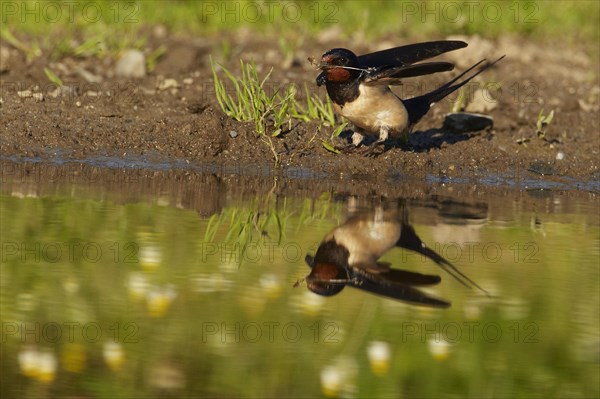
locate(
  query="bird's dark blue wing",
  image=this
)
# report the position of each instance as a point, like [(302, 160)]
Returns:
[(397, 284), (405, 55), (400, 292)]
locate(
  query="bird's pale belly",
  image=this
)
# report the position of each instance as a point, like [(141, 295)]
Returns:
[(367, 240), (374, 108)]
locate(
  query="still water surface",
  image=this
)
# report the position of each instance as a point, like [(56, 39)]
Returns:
[(178, 285)]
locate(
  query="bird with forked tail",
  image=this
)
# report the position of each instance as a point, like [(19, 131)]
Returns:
[(358, 87)]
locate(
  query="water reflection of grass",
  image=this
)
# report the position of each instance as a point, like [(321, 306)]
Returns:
[(178, 318)]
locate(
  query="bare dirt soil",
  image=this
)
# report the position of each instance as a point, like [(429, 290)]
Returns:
[(153, 119)]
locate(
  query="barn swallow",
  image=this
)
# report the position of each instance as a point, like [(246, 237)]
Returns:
[(358, 87), (349, 255)]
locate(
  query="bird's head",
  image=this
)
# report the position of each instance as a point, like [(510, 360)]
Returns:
[(325, 278), (338, 65)]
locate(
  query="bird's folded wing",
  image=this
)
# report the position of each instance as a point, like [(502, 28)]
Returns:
[(401, 292), (405, 55), (384, 274)]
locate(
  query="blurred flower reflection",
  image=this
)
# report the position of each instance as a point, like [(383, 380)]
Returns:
[(38, 364)]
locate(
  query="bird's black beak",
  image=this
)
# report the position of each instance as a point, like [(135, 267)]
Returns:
[(310, 260), (321, 79)]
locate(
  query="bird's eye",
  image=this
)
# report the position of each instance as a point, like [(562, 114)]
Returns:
[(343, 60)]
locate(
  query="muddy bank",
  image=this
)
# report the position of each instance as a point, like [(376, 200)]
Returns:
[(180, 123)]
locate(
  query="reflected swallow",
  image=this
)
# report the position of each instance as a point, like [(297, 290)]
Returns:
[(358, 86), (349, 255)]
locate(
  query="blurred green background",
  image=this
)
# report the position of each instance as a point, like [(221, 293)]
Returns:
[(52, 25)]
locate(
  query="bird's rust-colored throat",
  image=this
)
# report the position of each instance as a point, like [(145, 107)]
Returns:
[(337, 74), (327, 271)]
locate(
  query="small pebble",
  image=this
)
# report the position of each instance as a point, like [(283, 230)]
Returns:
[(131, 65), (560, 156), (167, 84), (233, 134), (24, 93)]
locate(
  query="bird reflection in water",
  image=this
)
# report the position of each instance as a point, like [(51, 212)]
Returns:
[(349, 255)]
